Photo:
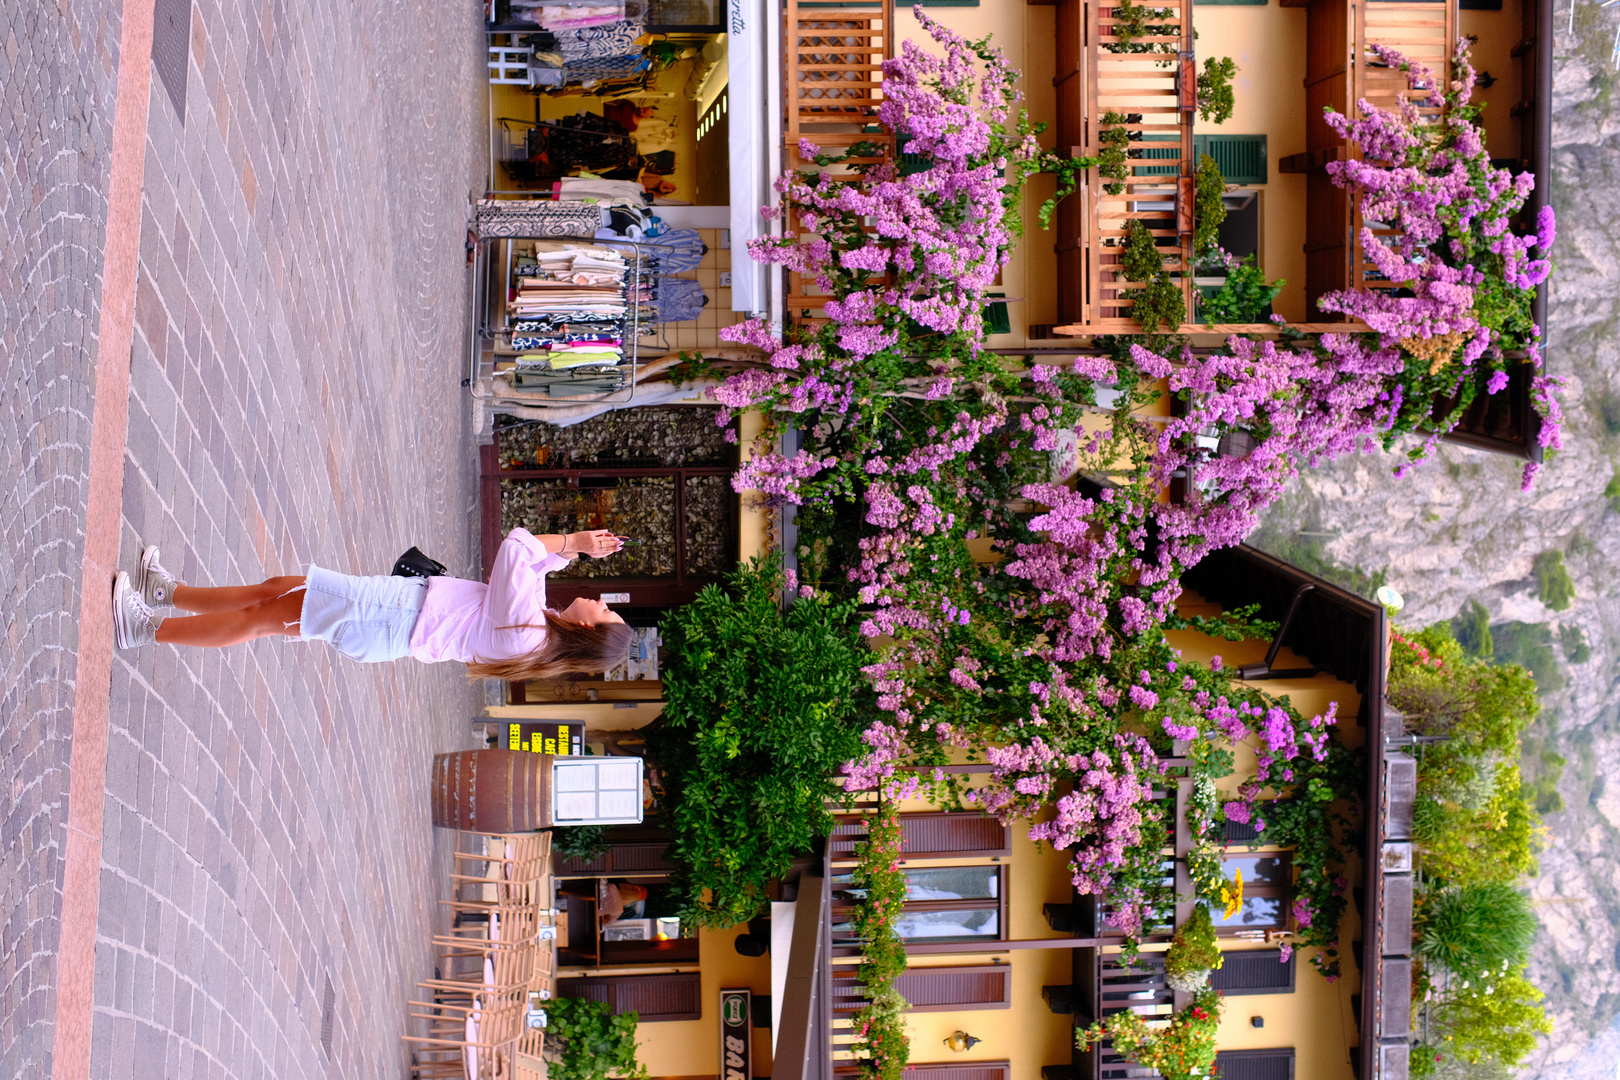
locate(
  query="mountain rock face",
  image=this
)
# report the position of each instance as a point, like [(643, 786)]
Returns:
[(1458, 531)]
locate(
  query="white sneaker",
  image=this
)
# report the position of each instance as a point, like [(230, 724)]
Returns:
[(155, 584), (133, 622)]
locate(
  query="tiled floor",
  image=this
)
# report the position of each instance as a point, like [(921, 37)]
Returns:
[(704, 331)]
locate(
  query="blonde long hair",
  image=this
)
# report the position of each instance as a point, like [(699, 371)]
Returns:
[(569, 647)]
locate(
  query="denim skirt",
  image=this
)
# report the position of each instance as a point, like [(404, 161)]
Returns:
[(368, 619)]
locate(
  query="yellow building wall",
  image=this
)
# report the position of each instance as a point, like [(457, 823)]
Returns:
[(1316, 1019), (692, 1047), (1268, 44)]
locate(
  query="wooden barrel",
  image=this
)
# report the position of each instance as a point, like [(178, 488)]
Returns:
[(501, 791)]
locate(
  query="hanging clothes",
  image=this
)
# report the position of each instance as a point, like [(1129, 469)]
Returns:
[(678, 299), (522, 217), (614, 39), (678, 250)]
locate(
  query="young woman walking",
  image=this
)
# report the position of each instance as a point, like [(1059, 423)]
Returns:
[(502, 630)]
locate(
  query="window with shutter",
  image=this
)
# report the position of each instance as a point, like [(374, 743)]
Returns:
[(1254, 1065), (1242, 158), (652, 998), (1254, 971)]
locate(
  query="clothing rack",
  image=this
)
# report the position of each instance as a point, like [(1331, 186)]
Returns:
[(499, 228)]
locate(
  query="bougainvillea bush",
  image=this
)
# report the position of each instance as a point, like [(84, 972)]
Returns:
[(1437, 227), (1017, 613)]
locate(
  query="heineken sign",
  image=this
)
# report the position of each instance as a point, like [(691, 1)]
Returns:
[(736, 1047)]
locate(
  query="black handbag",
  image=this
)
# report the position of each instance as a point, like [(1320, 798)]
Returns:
[(415, 564)]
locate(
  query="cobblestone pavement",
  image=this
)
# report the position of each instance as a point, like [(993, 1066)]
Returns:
[(269, 876)]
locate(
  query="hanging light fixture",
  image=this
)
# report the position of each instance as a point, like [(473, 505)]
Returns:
[(961, 1041)]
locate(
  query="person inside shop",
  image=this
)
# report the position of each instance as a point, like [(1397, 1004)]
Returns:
[(614, 900), (502, 630)]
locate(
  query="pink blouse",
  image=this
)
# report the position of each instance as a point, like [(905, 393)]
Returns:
[(463, 620)]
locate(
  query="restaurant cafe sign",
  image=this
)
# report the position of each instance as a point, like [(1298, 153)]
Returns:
[(736, 1026)]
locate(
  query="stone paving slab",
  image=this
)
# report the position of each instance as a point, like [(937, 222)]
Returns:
[(269, 876), (58, 68)]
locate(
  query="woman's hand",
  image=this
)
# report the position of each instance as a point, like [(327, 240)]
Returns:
[(596, 543)]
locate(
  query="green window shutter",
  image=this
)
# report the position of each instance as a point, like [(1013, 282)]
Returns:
[(909, 162), (1242, 158), (1158, 153), (996, 318)]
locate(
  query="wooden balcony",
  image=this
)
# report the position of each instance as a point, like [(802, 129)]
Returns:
[(832, 70), (1341, 70), (1157, 92)]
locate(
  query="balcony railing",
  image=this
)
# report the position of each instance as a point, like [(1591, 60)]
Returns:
[(1150, 81), (1340, 70), (832, 69)]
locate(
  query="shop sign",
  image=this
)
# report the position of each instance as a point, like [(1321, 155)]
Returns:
[(560, 739), (736, 1047)]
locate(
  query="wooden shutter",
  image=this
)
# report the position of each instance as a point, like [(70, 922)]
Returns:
[(985, 986), (1254, 1065), (651, 997), (1242, 158), (952, 1070), (1238, 832), (641, 857), (937, 989), (1253, 971), (935, 836), (944, 1070)]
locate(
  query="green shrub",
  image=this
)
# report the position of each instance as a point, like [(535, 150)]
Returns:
[(1194, 953), (1529, 645), (1472, 628), (763, 707), (1209, 208), (1242, 298), (1476, 931), (1159, 302), (1215, 100), (587, 843), (585, 1041), (1553, 586), (1573, 641), (1483, 1031), (1443, 691), (1461, 844), (1114, 161)]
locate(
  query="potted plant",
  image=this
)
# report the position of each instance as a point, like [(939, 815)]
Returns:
[(586, 1041), (1193, 954), (1182, 1048)]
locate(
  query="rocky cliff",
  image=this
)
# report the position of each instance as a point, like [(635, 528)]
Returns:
[(1459, 532)]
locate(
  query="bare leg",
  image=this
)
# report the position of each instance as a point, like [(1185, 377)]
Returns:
[(220, 628), (232, 597)]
